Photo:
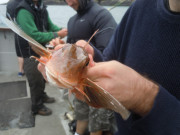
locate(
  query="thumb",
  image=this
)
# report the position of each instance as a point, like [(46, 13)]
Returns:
[(59, 46), (96, 71)]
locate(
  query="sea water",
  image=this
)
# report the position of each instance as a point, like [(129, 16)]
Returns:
[(60, 14)]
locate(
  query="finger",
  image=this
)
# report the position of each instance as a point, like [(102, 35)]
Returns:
[(57, 41), (81, 43), (99, 70), (61, 41), (52, 42), (94, 72), (89, 49), (91, 61), (59, 46)]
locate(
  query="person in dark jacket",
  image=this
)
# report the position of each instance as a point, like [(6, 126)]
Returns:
[(145, 75), (32, 17), (89, 18), (10, 14)]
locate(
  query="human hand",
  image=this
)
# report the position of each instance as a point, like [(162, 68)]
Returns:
[(56, 41), (62, 33), (87, 47), (131, 89)]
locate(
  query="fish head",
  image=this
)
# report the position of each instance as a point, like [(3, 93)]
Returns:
[(68, 64)]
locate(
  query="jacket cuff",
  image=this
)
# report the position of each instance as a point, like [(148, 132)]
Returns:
[(98, 57), (55, 34), (164, 116)]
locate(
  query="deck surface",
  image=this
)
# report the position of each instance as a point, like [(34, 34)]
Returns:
[(55, 124)]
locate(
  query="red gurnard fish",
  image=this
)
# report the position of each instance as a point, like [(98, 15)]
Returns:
[(64, 68)]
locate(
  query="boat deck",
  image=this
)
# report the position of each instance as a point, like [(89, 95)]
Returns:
[(55, 124)]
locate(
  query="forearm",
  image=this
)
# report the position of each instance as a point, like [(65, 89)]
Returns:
[(134, 91), (26, 21), (165, 114), (146, 92), (43, 37)]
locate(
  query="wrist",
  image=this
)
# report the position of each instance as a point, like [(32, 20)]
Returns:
[(55, 34), (145, 97), (59, 35)]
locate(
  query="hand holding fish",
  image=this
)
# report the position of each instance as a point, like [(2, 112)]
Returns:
[(131, 89), (122, 82), (56, 41), (65, 68), (88, 48)]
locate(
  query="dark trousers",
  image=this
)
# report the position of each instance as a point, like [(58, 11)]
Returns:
[(36, 83)]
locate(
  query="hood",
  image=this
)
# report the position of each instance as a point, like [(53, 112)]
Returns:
[(17, 0), (40, 3), (83, 5)]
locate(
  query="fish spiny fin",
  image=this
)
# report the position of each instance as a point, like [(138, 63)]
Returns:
[(92, 36), (41, 61), (38, 48)]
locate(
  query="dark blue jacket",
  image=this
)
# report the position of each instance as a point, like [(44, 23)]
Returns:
[(88, 19), (148, 40)]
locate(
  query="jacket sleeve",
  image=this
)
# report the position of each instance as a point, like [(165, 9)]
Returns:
[(105, 23), (111, 51), (26, 22), (164, 118)]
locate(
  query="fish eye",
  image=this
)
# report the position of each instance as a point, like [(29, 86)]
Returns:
[(87, 63)]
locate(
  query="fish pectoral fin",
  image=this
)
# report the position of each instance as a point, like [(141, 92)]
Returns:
[(40, 60), (40, 50), (83, 93), (37, 47), (78, 94), (100, 98)]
